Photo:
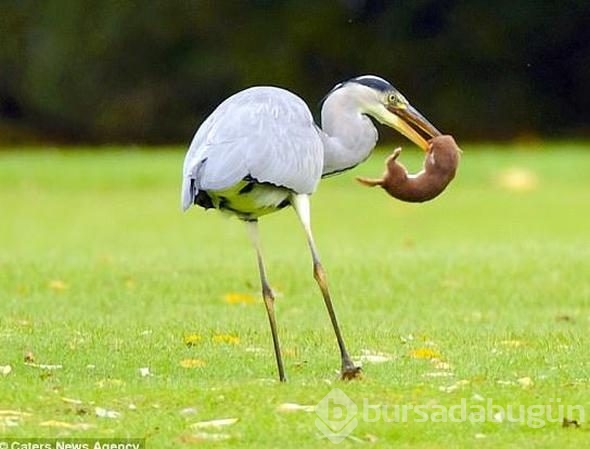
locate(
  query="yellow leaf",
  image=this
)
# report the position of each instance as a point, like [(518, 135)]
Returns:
[(293, 407), (191, 339), (226, 338), (14, 413), (525, 382), (517, 179), (201, 437), (58, 285), (66, 425), (44, 366), (288, 352), (424, 353), (192, 363), (71, 401), (239, 298), (109, 383), (214, 423)]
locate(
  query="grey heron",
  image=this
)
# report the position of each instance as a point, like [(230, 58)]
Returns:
[(260, 151)]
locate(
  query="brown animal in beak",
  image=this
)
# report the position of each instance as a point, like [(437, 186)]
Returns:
[(440, 166)]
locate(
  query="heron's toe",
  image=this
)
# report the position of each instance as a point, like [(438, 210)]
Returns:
[(351, 372)]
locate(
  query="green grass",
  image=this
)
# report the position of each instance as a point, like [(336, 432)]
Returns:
[(101, 273)]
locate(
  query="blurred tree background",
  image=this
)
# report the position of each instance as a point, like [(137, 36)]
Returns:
[(149, 71)]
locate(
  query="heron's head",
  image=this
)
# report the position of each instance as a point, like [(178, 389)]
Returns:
[(377, 98)]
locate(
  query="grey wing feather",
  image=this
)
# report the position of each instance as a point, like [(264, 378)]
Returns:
[(264, 132)]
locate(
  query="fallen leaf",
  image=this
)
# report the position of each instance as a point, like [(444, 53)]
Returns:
[(5, 370), (453, 387), (192, 339), (477, 397), (72, 401), (66, 425), (214, 423), (14, 413), (525, 382), (226, 338), (290, 352), (292, 407), (12, 418), (438, 364), (407, 338), (374, 357), (29, 357), (188, 411), (517, 179), (9, 421), (144, 372), (104, 413), (192, 363), (255, 349), (109, 382), (371, 438), (239, 298), (424, 353), (439, 374), (199, 437), (58, 285), (44, 366)]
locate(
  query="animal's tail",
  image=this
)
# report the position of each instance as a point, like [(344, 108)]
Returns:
[(369, 182)]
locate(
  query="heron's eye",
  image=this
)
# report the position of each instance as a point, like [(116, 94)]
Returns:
[(392, 99)]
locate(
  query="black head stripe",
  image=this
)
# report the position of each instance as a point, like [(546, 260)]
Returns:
[(374, 82), (371, 81)]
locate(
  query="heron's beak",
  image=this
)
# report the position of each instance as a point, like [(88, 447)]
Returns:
[(409, 122)]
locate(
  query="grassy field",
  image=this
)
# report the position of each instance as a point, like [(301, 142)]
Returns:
[(154, 317)]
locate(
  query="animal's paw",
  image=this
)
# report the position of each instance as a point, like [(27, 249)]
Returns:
[(393, 156)]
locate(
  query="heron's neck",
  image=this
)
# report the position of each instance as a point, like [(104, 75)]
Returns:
[(347, 134)]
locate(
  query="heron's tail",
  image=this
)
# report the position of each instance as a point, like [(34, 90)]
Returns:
[(187, 197)]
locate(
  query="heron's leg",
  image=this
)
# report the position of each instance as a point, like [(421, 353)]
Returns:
[(301, 205), (268, 296)]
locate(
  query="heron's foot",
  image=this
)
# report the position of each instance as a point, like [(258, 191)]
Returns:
[(351, 371)]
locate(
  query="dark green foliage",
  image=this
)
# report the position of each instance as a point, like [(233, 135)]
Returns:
[(122, 70)]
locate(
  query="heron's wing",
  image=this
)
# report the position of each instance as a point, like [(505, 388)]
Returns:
[(263, 132)]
